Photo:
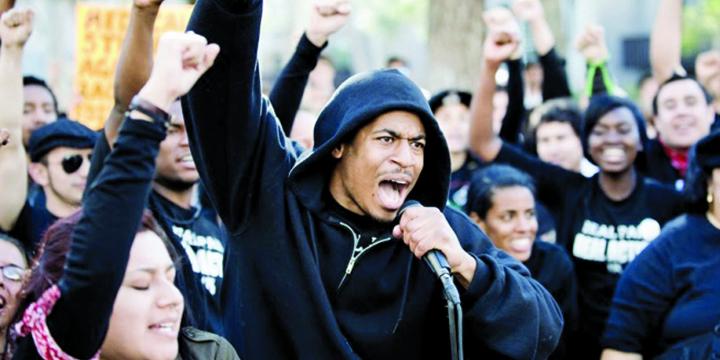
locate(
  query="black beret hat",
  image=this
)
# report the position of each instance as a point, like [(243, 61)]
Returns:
[(60, 133), (449, 96)]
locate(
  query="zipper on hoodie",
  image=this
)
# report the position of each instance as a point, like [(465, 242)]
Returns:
[(358, 250)]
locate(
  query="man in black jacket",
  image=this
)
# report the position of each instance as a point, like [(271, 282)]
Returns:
[(324, 275)]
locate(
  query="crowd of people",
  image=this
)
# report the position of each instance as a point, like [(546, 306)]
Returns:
[(573, 226)]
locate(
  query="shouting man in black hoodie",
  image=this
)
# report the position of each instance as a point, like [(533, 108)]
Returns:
[(325, 272)]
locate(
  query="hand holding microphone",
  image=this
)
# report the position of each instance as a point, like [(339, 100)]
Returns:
[(429, 236)]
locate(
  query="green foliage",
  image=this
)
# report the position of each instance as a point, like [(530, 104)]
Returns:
[(701, 28)]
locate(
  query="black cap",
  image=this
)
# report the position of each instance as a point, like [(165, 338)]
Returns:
[(60, 133), (707, 151), (449, 96)]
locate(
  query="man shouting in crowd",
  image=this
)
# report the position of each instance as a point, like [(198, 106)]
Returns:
[(326, 271)]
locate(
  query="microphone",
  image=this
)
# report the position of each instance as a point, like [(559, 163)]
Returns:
[(436, 260)]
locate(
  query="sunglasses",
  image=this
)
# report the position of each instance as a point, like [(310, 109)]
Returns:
[(72, 163), (12, 272)]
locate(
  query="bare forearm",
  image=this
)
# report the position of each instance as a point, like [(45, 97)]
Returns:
[(134, 65), (12, 155), (665, 40), (11, 90), (482, 138), (542, 35)]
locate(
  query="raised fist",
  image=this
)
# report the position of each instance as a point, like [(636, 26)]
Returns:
[(15, 27), (501, 19), (591, 44), (326, 18), (180, 61), (500, 46), (528, 10)]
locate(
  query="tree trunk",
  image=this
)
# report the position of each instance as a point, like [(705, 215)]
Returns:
[(455, 37)]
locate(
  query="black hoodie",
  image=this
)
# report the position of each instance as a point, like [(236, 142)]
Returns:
[(319, 282)]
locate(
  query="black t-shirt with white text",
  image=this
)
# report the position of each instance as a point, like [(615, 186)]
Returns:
[(201, 245)]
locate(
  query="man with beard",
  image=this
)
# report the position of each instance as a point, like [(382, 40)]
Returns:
[(325, 271)]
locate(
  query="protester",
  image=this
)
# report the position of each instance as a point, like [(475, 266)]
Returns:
[(40, 106), (14, 264), (193, 232), (604, 221), (308, 79), (59, 152), (682, 107), (320, 268), (452, 111), (669, 293), (555, 136), (501, 200), (115, 296)]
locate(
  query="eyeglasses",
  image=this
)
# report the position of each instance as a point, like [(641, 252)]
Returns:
[(71, 163), (12, 273)]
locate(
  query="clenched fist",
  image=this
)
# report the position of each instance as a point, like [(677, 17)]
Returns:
[(326, 18), (15, 27), (180, 61)]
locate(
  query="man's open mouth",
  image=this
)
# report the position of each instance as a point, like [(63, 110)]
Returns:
[(392, 193)]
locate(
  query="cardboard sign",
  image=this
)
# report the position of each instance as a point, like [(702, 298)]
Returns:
[(100, 30)]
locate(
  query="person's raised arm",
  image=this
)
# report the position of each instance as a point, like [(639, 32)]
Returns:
[(113, 207), (15, 28), (132, 72), (483, 141), (326, 18), (236, 141), (134, 63), (532, 11), (666, 40)]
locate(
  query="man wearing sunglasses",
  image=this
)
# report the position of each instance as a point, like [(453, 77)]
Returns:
[(59, 163)]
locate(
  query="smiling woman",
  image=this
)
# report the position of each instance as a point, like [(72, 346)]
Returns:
[(665, 304)]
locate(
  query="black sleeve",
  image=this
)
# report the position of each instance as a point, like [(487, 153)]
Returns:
[(101, 240), (512, 122), (286, 95), (555, 82), (553, 182), (100, 152)]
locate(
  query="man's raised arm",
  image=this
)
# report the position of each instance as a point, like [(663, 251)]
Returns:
[(135, 62), (15, 29), (483, 141), (665, 39), (236, 143), (287, 93)]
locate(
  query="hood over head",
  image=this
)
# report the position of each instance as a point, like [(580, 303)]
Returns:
[(356, 103)]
